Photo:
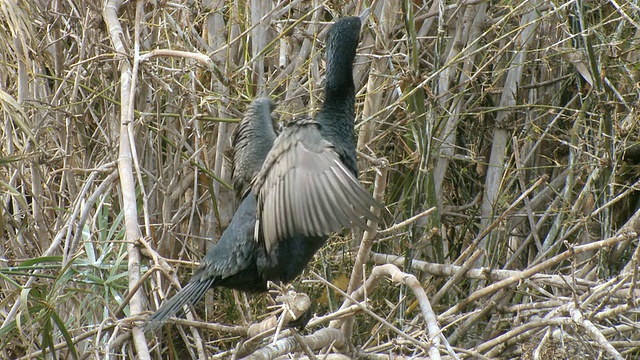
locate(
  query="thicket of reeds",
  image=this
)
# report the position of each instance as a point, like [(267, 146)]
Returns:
[(502, 137)]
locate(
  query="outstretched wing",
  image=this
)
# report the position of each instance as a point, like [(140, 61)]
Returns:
[(251, 141), (304, 188)]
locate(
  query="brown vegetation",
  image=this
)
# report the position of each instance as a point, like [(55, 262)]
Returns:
[(502, 137)]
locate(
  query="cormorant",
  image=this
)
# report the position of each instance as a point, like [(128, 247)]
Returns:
[(297, 188)]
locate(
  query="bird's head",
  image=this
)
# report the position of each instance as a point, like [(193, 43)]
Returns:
[(344, 35)]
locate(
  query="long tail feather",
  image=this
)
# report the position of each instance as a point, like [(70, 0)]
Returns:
[(189, 295)]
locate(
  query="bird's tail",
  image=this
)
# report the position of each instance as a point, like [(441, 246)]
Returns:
[(189, 295)]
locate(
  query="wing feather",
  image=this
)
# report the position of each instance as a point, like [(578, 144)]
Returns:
[(324, 224), (335, 213), (304, 188)]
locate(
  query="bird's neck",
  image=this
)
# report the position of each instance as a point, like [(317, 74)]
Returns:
[(339, 77), (337, 115), (338, 110), (339, 93), (336, 121)]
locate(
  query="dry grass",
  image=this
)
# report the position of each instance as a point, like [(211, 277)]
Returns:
[(517, 125)]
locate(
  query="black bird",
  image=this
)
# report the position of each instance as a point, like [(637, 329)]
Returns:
[(297, 188)]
